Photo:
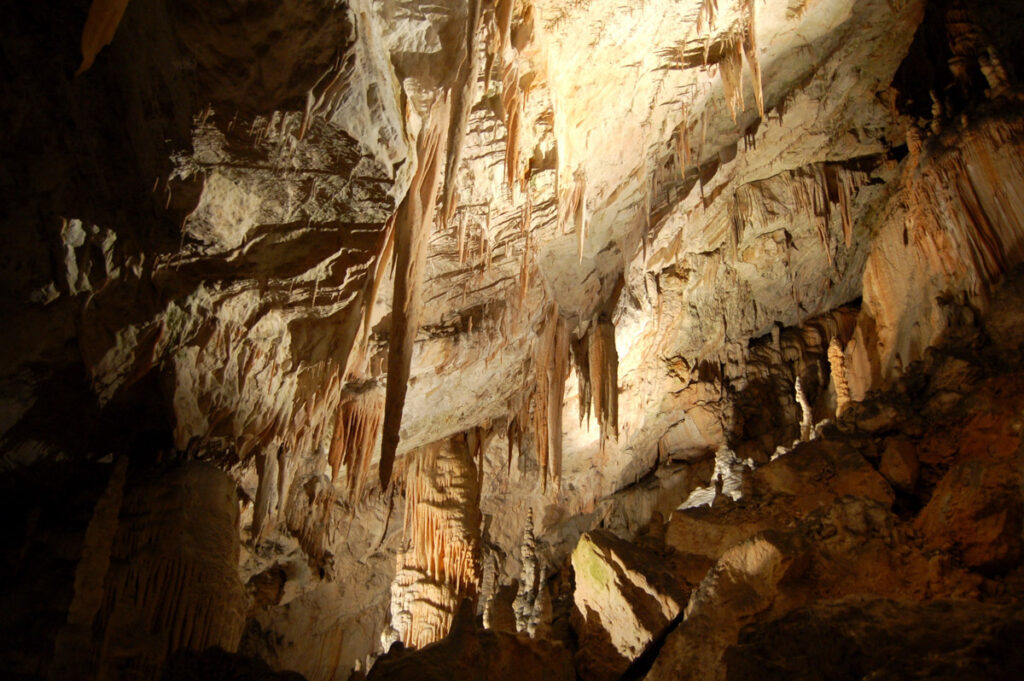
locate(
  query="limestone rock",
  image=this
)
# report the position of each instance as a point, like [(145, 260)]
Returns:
[(477, 655), (881, 639), (623, 599), (899, 464)]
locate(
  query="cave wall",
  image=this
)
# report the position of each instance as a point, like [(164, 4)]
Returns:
[(267, 254)]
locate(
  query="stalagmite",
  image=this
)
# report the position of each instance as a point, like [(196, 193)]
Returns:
[(837, 363), (412, 230), (995, 74), (357, 426), (267, 468), (100, 27), (806, 418), (523, 605)]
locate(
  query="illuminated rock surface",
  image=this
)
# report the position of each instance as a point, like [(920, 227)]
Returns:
[(655, 333)]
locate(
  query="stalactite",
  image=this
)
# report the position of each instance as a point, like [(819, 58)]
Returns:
[(604, 367), (73, 646), (372, 286), (706, 15), (100, 27), (552, 369), (442, 526), (464, 97), (572, 205), (524, 271), (581, 365), (683, 144), (806, 418), (750, 50), (173, 580), (512, 103), (328, 92), (731, 68), (837, 363), (357, 426), (308, 517), (412, 230)]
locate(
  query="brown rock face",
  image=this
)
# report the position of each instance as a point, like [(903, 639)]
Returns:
[(623, 599), (469, 653), (657, 331), (185, 593)]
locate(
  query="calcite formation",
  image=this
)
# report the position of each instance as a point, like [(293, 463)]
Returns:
[(333, 326)]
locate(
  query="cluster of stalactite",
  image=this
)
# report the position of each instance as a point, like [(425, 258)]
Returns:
[(740, 41), (964, 197), (356, 429), (507, 18), (819, 187), (552, 367), (439, 148), (308, 517), (173, 578), (442, 526)]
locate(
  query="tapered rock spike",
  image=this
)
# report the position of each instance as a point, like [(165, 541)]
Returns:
[(412, 230), (464, 97), (100, 27)]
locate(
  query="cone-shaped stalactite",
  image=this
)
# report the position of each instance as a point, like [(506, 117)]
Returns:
[(603, 362), (581, 365), (552, 367), (100, 27), (412, 230), (464, 96), (442, 525)]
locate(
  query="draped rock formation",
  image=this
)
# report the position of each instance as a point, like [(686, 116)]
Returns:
[(294, 294)]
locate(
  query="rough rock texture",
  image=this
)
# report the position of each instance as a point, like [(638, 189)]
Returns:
[(644, 267), (469, 653), (623, 600)]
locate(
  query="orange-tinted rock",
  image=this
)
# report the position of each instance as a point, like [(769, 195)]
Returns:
[(977, 511), (899, 463), (624, 598), (471, 654)]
